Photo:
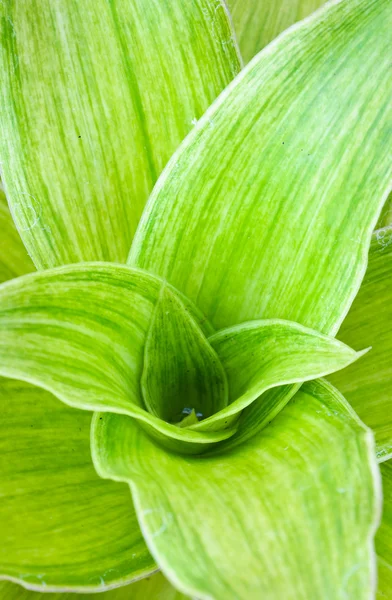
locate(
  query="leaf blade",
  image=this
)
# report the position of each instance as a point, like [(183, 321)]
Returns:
[(240, 550), (368, 386), (119, 86), (249, 194), (62, 527)]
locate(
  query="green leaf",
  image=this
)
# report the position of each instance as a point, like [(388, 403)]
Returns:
[(95, 98), (14, 260), (62, 527), (259, 355), (266, 210), (80, 331), (384, 536), (367, 386), (180, 368), (289, 514), (155, 587), (386, 214), (258, 22)]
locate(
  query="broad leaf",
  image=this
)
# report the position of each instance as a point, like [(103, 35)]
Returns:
[(384, 536), (280, 184), (289, 514), (97, 336), (259, 355), (62, 527), (95, 98), (368, 385), (181, 371), (14, 260), (80, 332), (258, 22), (155, 587), (266, 211)]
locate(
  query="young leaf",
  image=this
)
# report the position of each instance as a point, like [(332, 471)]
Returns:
[(272, 517), (180, 370), (155, 587), (257, 22), (62, 527), (266, 210), (14, 260), (259, 355), (384, 536), (80, 332), (95, 97), (368, 385)]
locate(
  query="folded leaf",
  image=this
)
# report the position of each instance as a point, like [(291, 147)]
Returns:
[(62, 527), (259, 355), (14, 260), (368, 385), (95, 98), (257, 22), (266, 210), (384, 536), (80, 333), (289, 514), (155, 587), (181, 371)]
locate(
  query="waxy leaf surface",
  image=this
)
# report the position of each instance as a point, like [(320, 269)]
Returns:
[(95, 97), (289, 514)]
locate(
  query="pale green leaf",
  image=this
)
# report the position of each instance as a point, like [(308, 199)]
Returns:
[(14, 260), (80, 331), (155, 587), (384, 537), (181, 371), (289, 514), (266, 211), (368, 385), (259, 355), (62, 527), (95, 97), (103, 337), (258, 22)]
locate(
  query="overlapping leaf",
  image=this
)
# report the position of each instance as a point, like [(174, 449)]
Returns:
[(267, 209), (14, 260), (289, 514), (368, 386), (95, 97), (258, 22), (82, 333), (155, 587)]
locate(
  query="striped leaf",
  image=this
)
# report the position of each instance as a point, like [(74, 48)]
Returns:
[(368, 386), (95, 97), (289, 514)]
